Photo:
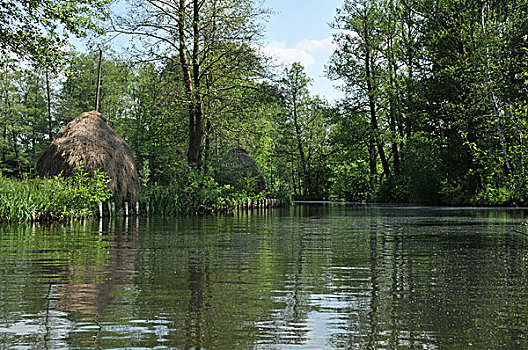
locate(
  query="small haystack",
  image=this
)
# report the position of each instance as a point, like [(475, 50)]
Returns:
[(242, 166), (90, 140)]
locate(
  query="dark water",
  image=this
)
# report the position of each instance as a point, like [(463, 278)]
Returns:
[(307, 277)]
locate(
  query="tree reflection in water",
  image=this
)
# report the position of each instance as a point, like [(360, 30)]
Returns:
[(313, 276)]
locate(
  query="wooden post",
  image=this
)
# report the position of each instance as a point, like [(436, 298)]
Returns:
[(97, 92)]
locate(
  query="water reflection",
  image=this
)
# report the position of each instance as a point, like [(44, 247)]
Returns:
[(312, 276)]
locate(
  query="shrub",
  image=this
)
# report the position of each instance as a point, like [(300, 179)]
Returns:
[(51, 199), (195, 192)]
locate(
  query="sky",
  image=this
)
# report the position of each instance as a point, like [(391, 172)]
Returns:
[(299, 31)]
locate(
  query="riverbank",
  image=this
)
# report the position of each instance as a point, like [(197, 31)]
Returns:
[(82, 196), (59, 198)]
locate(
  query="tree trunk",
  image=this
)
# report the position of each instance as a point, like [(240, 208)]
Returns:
[(207, 149), (194, 153), (302, 155), (372, 107), (293, 177), (392, 109), (48, 95), (15, 149), (192, 82), (372, 161)]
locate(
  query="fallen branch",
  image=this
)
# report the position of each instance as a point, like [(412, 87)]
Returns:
[(521, 232)]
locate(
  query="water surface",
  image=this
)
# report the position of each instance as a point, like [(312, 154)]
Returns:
[(313, 276)]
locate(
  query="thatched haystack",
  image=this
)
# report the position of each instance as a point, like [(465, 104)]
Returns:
[(89, 139), (241, 166)]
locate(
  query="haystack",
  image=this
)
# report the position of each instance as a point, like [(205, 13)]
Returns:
[(90, 140), (241, 167)]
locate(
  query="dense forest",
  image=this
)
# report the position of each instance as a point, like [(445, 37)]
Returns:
[(435, 108)]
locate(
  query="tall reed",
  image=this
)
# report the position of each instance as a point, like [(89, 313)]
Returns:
[(52, 199)]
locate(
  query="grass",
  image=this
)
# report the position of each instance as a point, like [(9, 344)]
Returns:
[(52, 199)]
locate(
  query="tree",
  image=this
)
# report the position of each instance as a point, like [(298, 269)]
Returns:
[(209, 41), (441, 83), (356, 61), (40, 28), (305, 131), (24, 124)]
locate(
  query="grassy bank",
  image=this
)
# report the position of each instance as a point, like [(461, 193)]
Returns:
[(194, 192), (78, 196), (59, 198), (170, 200)]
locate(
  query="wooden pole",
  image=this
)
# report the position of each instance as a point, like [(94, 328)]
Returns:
[(98, 80)]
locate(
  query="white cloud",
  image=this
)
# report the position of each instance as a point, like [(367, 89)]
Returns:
[(304, 52), (325, 45), (288, 55)]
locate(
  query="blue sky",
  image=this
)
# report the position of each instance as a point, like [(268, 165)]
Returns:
[(299, 31)]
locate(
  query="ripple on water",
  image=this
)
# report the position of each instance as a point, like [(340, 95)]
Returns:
[(309, 277)]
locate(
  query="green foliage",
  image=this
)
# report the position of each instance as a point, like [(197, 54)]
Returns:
[(504, 174), (349, 181), (82, 192), (444, 80), (395, 190), (23, 122), (197, 192), (52, 199), (303, 128), (349, 157), (40, 28), (422, 169), (77, 93)]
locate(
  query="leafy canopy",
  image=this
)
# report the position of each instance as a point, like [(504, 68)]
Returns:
[(40, 28)]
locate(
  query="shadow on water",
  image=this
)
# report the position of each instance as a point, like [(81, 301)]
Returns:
[(311, 276)]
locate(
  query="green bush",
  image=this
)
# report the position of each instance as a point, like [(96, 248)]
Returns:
[(393, 190), (52, 199), (421, 164), (194, 192), (350, 181)]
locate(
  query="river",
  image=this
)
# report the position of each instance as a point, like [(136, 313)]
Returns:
[(312, 276)]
